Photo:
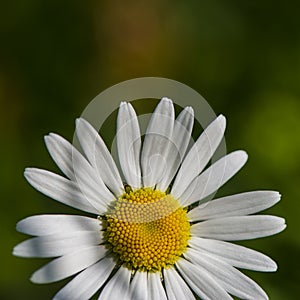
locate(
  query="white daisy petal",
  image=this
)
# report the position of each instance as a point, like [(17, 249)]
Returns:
[(76, 167), (50, 224), (88, 282), (214, 177), (63, 190), (139, 286), (118, 286), (235, 255), (129, 144), (199, 155), (98, 155), (201, 281), (68, 265), (239, 228), (61, 152), (176, 287), (155, 287), (155, 148), (57, 244), (178, 144), (232, 280), (235, 205)]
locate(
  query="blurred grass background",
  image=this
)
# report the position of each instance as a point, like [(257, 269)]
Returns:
[(242, 56)]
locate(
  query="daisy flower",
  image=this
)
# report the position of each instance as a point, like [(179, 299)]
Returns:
[(150, 232)]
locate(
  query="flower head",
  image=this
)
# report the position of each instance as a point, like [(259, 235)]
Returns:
[(153, 234)]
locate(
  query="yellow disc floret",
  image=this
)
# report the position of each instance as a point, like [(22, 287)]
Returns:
[(147, 229)]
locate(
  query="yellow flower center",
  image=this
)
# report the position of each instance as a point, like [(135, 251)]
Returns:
[(147, 229)]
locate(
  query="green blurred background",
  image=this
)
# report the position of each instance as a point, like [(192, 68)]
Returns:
[(242, 56)]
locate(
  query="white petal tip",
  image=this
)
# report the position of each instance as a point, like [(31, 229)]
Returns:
[(35, 279), (27, 172), (20, 224), (189, 109), (41, 278), (19, 227), (273, 267), (166, 99), (50, 139), (78, 121), (276, 196), (53, 135), (241, 155), (30, 171), (15, 251), (47, 137), (81, 121), (280, 220), (280, 226), (222, 119), (20, 252)]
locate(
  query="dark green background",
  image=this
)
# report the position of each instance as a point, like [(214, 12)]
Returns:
[(242, 56)]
